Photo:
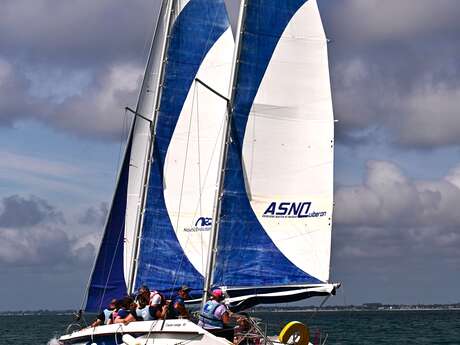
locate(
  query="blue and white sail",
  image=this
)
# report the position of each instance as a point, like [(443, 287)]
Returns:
[(142, 136), (192, 40), (182, 180), (274, 231), (107, 279)]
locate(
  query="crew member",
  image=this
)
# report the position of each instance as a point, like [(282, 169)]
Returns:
[(215, 314), (178, 309)]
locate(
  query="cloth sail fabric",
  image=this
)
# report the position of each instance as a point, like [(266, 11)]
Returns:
[(274, 234), (174, 237), (175, 233)]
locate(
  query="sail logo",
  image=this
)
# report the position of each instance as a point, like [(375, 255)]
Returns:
[(201, 224), (291, 210)]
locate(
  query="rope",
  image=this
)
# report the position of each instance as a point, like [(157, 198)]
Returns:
[(152, 326), (199, 169)]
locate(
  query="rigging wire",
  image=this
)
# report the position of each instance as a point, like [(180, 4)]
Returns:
[(199, 169), (182, 185), (122, 136), (205, 51)]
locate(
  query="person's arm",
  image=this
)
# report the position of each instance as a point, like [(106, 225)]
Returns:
[(225, 318), (96, 323), (182, 310), (100, 320), (126, 320), (161, 313)]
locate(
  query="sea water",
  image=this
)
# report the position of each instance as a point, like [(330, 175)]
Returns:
[(341, 328)]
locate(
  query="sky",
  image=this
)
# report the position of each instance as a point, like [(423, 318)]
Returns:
[(68, 69)]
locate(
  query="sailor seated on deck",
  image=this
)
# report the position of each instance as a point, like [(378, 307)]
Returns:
[(145, 312), (215, 314), (105, 317), (127, 307), (177, 308), (156, 299)]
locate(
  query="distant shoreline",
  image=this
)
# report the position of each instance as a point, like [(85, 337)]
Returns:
[(349, 310), (309, 309)]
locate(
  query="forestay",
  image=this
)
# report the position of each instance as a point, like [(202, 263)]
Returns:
[(274, 234), (183, 174)]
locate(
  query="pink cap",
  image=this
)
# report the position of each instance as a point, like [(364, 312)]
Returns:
[(217, 293)]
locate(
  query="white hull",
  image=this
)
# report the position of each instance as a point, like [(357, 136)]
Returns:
[(157, 332)]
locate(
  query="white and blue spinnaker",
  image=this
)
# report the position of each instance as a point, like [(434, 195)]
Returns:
[(274, 230)]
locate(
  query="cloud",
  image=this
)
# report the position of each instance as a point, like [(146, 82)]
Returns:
[(33, 237), (395, 70), (377, 20), (20, 212), (73, 67), (94, 215), (431, 117), (98, 112), (84, 33), (392, 215)]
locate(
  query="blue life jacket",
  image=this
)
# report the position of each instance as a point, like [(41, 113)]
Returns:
[(144, 313), (207, 316), (107, 315)]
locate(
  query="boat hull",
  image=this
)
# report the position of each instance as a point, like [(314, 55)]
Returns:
[(160, 332)]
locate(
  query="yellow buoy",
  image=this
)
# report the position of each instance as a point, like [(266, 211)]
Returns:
[(295, 333)]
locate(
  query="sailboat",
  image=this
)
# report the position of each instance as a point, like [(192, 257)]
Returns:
[(227, 176)]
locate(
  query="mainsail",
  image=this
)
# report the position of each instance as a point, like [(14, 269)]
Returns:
[(178, 209), (274, 229), (182, 168)]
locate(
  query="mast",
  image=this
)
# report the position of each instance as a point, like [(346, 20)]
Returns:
[(212, 251), (149, 158)]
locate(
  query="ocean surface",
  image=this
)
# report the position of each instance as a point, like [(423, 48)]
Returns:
[(341, 328)]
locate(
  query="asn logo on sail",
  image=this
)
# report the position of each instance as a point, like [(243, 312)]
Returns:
[(286, 209), (201, 224)]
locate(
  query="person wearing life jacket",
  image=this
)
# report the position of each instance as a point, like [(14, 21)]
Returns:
[(105, 317), (177, 309), (122, 315), (214, 314), (156, 298), (146, 312)]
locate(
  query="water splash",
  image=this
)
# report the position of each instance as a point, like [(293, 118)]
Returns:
[(53, 341)]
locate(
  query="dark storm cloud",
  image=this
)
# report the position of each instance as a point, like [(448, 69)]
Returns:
[(394, 65), (18, 212)]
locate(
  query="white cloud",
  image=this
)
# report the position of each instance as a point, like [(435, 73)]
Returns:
[(392, 215)]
